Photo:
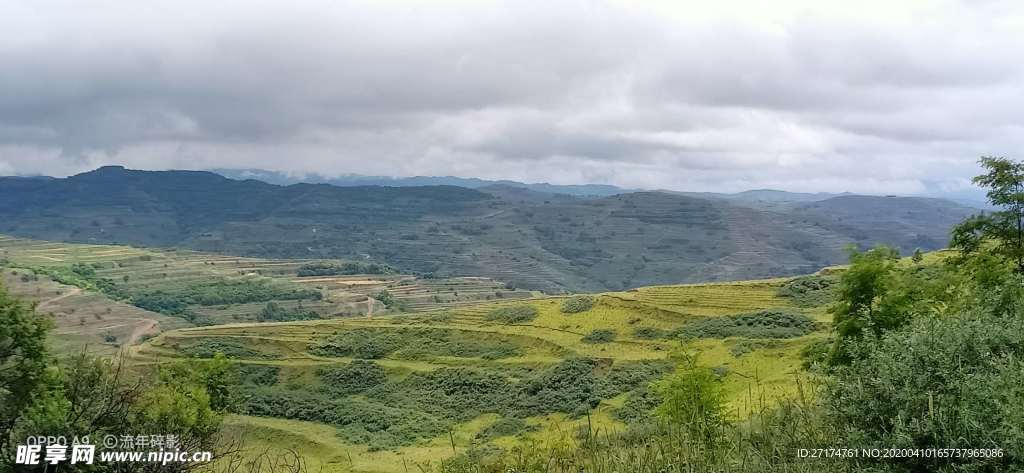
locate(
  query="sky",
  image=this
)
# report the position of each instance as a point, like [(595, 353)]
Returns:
[(875, 97)]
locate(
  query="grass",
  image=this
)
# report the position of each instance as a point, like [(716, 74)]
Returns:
[(753, 372), (450, 325)]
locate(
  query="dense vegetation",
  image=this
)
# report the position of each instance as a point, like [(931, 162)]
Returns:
[(328, 268), (413, 343), (762, 324), (273, 312), (921, 357), (370, 408), (516, 314)]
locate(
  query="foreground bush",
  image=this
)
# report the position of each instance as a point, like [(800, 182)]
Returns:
[(953, 382)]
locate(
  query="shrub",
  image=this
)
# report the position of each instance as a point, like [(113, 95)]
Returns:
[(810, 291), (516, 314), (762, 324), (577, 304), (600, 336), (650, 333), (458, 394), (209, 347), (354, 377), (259, 375), (413, 343), (951, 382), (273, 312), (693, 398), (327, 268), (568, 387)]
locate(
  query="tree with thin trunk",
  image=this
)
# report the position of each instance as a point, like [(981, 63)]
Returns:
[(999, 233)]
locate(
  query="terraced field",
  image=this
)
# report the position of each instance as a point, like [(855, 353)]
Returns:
[(116, 277), (395, 371), (424, 361)]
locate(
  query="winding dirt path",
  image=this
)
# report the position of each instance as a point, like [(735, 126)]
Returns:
[(72, 291)]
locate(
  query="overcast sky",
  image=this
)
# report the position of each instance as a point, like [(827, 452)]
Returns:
[(881, 97)]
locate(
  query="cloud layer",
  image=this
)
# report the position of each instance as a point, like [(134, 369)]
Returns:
[(886, 97)]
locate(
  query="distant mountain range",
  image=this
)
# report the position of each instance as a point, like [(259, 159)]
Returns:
[(351, 180), (969, 197), (539, 240)]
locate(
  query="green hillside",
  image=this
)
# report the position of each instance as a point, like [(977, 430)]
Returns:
[(385, 393), (531, 240), (109, 295)]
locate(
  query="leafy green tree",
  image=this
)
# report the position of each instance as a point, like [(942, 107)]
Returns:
[(999, 233), (876, 295), (23, 363)]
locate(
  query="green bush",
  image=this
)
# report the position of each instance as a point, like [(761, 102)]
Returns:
[(259, 375), (516, 314), (413, 343), (577, 304), (355, 377), (328, 268), (273, 312), (762, 324), (570, 387), (810, 291), (650, 333), (951, 382), (457, 394), (359, 421), (220, 292), (600, 336), (208, 347)]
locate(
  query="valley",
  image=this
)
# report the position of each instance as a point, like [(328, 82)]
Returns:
[(449, 368)]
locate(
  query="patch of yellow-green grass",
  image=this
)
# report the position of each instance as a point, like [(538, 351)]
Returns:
[(756, 379), (711, 299)]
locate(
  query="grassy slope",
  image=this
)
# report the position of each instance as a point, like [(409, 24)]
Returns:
[(551, 337)]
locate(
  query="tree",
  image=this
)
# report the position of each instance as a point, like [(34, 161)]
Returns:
[(1000, 233), (85, 395), (23, 363), (862, 288)]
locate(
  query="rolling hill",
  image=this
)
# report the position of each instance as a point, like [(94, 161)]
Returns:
[(540, 241)]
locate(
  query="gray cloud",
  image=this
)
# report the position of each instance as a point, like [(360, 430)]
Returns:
[(685, 95)]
